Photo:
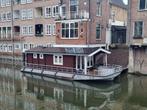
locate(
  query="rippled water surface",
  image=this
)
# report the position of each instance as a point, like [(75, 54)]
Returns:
[(24, 92)]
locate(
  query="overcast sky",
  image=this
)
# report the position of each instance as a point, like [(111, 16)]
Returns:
[(125, 1)]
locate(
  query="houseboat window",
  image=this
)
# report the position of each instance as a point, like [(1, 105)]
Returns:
[(138, 29), (142, 4), (70, 30), (98, 31), (58, 59), (41, 56), (34, 55)]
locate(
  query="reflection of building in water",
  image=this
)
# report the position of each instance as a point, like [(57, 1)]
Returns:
[(64, 95), (7, 92), (27, 93), (137, 93)]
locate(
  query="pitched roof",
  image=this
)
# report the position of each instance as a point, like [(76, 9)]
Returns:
[(119, 3), (61, 50)]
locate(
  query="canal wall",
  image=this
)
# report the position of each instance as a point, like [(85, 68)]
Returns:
[(138, 60), (119, 56)]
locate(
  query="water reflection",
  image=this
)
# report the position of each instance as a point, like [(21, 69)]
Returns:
[(35, 93)]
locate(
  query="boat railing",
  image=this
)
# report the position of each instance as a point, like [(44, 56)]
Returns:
[(51, 68), (105, 69)]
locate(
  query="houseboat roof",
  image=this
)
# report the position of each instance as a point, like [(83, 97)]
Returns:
[(71, 51), (118, 3)]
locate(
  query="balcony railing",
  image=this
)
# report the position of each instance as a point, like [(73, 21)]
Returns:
[(51, 68), (73, 15)]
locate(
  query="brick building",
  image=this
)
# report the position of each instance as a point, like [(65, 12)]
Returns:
[(34, 24), (138, 36), (61, 23)]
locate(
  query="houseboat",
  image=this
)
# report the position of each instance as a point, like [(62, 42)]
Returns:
[(87, 63)]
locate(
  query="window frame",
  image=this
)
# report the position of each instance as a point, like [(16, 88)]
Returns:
[(48, 15), (99, 30), (134, 36), (57, 60), (69, 30), (41, 56), (55, 8), (144, 4), (99, 9), (48, 29), (35, 55)]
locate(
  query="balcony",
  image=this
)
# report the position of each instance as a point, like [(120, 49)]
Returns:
[(73, 15)]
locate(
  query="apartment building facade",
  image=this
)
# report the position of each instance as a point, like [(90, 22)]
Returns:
[(33, 24), (138, 36), (101, 22), (61, 23)]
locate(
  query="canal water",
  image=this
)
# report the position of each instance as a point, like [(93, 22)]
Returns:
[(24, 92)]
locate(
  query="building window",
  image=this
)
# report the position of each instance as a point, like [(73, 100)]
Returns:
[(3, 3), (23, 1), (31, 46), (41, 56), (34, 55), (26, 14), (8, 2), (48, 12), (99, 9), (29, 14), (138, 29), (25, 46), (23, 14), (63, 11), (142, 4), (17, 46), (39, 30), (55, 11), (73, 8), (48, 29), (58, 59), (27, 30), (8, 16), (29, 1), (53, 29), (98, 31), (30, 30), (4, 17), (70, 30), (24, 30), (10, 48), (26, 1)]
